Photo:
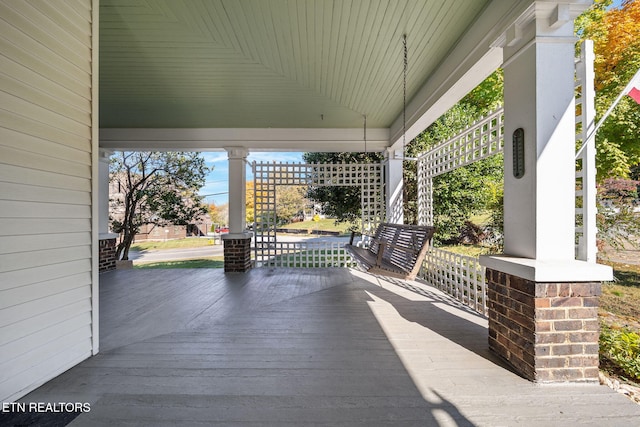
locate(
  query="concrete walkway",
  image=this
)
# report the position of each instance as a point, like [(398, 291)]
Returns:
[(305, 347)]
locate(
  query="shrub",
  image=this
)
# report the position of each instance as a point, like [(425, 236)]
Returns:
[(622, 348)]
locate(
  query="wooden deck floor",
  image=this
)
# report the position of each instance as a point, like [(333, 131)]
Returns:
[(305, 347)]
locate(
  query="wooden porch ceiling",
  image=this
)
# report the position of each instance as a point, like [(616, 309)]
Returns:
[(269, 63)]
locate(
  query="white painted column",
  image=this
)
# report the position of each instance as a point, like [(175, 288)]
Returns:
[(539, 207), (237, 191), (103, 191), (539, 217), (394, 185)]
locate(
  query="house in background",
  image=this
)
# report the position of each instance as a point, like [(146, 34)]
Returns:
[(79, 76), (199, 227)]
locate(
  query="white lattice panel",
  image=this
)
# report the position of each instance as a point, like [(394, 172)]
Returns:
[(483, 139), (309, 255), (269, 176), (460, 276)]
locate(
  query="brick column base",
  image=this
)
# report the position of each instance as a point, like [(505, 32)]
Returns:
[(237, 255), (547, 331), (106, 255)]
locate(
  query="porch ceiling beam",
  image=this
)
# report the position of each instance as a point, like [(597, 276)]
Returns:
[(258, 139), (474, 57)]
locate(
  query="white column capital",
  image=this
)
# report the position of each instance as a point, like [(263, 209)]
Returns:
[(237, 152), (391, 153), (104, 155), (548, 20)]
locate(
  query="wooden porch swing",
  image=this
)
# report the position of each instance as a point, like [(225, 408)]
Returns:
[(396, 250)]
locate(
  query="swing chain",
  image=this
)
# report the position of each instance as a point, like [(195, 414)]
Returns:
[(404, 94)]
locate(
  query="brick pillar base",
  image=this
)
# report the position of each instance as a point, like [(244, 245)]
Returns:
[(107, 255), (547, 331), (237, 255)]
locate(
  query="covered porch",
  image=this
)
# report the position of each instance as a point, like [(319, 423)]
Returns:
[(284, 76), (305, 346)]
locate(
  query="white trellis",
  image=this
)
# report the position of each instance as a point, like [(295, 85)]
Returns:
[(462, 276), (586, 161), (269, 176), (483, 139), (458, 275)]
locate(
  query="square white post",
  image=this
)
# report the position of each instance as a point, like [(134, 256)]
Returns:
[(394, 185), (539, 207)]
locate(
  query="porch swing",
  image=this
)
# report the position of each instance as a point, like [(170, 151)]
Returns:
[(395, 250)]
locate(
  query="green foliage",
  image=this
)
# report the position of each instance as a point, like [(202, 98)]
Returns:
[(159, 188), (466, 191), (342, 203), (616, 36), (622, 348), (290, 201), (461, 193)]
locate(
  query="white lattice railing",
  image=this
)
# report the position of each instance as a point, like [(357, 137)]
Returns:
[(307, 255), (460, 276), (586, 210)]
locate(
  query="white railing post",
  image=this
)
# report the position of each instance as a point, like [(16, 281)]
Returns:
[(586, 175)]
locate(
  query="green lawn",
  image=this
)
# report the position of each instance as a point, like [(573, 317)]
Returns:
[(323, 225), (622, 296), (469, 250), (189, 242), (213, 262)]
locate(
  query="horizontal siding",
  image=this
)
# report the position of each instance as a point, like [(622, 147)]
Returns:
[(55, 100), (23, 346), (41, 60), (42, 162), (45, 179), (77, 291), (44, 210), (63, 354), (37, 291), (31, 325), (14, 279), (20, 261), (11, 191), (17, 244), (32, 144), (45, 191), (32, 226), (57, 40)]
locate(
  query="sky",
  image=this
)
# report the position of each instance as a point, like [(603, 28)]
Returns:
[(217, 186)]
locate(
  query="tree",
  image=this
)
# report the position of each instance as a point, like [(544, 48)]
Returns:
[(219, 214), (616, 36), (249, 202), (290, 201), (155, 188), (341, 203)]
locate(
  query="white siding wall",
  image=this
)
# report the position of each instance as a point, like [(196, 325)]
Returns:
[(46, 155)]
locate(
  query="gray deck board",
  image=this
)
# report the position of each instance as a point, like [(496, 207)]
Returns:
[(305, 347)]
